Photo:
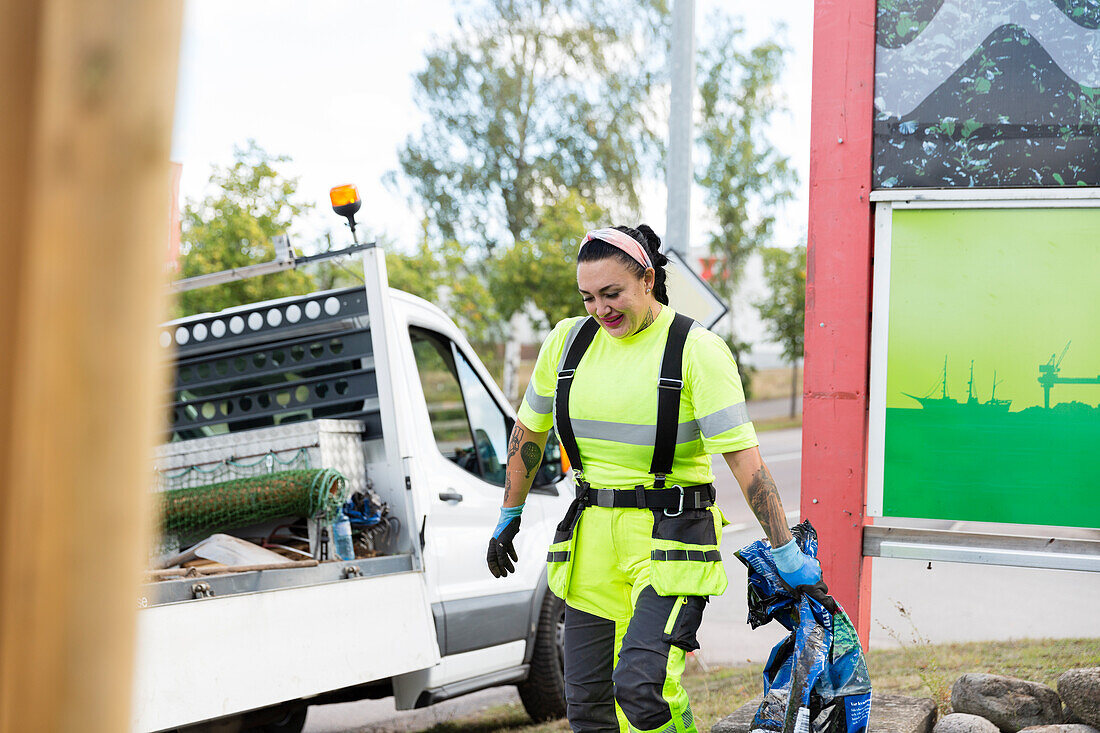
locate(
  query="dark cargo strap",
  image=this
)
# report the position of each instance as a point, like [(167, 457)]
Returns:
[(559, 556), (565, 383), (686, 555), (669, 386), (699, 496)]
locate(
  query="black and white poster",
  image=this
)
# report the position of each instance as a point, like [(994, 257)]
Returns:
[(987, 93)]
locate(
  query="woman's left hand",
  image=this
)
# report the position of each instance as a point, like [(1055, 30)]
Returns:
[(796, 567), (502, 552)]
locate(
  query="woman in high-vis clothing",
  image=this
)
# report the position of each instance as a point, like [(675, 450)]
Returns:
[(641, 398)]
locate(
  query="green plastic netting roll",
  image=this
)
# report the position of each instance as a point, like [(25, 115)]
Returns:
[(246, 501)]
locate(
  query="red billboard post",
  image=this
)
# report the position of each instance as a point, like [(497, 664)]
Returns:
[(838, 299)]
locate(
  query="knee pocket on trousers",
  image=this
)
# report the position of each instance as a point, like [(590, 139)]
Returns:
[(639, 684), (683, 624)]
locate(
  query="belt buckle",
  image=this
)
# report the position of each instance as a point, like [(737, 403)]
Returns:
[(680, 509), (580, 487)]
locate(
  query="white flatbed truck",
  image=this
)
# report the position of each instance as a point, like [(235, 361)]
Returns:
[(424, 620)]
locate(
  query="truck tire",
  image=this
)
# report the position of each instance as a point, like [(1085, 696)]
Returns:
[(290, 719), (543, 692)]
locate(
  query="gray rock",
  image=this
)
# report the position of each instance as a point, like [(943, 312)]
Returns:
[(889, 714), (1064, 728), (901, 714), (1007, 702), (1080, 691), (964, 723), (739, 720)]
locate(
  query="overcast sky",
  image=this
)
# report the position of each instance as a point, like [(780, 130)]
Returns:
[(329, 83)]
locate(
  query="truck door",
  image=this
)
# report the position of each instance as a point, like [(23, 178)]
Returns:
[(471, 432)]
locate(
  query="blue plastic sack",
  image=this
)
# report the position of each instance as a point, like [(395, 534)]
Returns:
[(361, 511), (816, 679)]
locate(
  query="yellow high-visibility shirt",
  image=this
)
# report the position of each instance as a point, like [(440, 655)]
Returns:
[(613, 402)]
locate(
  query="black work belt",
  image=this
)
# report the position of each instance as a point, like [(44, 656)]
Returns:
[(678, 498)]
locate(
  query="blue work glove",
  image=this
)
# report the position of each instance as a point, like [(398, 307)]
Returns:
[(501, 551), (796, 567)]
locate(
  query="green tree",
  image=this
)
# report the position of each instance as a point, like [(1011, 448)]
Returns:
[(784, 311), (457, 282), (745, 179), (233, 226), (344, 272), (418, 273), (542, 269), (532, 99)]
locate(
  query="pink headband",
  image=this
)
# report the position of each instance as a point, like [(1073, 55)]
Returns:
[(625, 242)]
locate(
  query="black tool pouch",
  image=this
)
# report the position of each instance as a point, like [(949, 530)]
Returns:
[(684, 553), (559, 560)]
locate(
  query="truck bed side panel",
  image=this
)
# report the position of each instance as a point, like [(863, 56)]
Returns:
[(198, 661)]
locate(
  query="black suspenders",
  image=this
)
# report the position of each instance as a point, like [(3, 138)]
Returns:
[(669, 386), (565, 383)]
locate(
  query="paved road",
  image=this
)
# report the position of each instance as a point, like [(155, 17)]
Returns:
[(774, 408), (724, 635), (948, 602)]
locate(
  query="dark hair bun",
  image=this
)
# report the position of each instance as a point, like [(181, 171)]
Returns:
[(652, 244)]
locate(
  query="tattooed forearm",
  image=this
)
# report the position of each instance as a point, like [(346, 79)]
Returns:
[(531, 455), (766, 505), (514, 441), (525, 448)]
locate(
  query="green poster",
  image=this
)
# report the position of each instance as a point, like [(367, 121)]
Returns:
[(992, 400)]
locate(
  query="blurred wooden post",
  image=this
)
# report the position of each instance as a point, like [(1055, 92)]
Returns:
[(88, 90)]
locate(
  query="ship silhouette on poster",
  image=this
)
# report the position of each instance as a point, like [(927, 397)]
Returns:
[(938, 399), (944, 401), (982, 460)]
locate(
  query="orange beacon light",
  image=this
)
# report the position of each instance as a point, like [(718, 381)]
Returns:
[(345, 202)]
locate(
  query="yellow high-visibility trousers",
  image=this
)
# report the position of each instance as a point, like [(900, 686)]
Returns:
[(625, 645)]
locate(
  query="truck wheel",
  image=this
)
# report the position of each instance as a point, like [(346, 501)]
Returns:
[(289, 720), (543, 692)]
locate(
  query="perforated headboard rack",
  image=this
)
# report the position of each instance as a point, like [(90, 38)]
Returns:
[(272, 363)]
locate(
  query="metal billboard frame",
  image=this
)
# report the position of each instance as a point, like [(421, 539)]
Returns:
[(1050, 552)]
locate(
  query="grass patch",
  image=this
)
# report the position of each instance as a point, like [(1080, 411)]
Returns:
[(922, 670), (771, 384), (777, 423), (906, 671)]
